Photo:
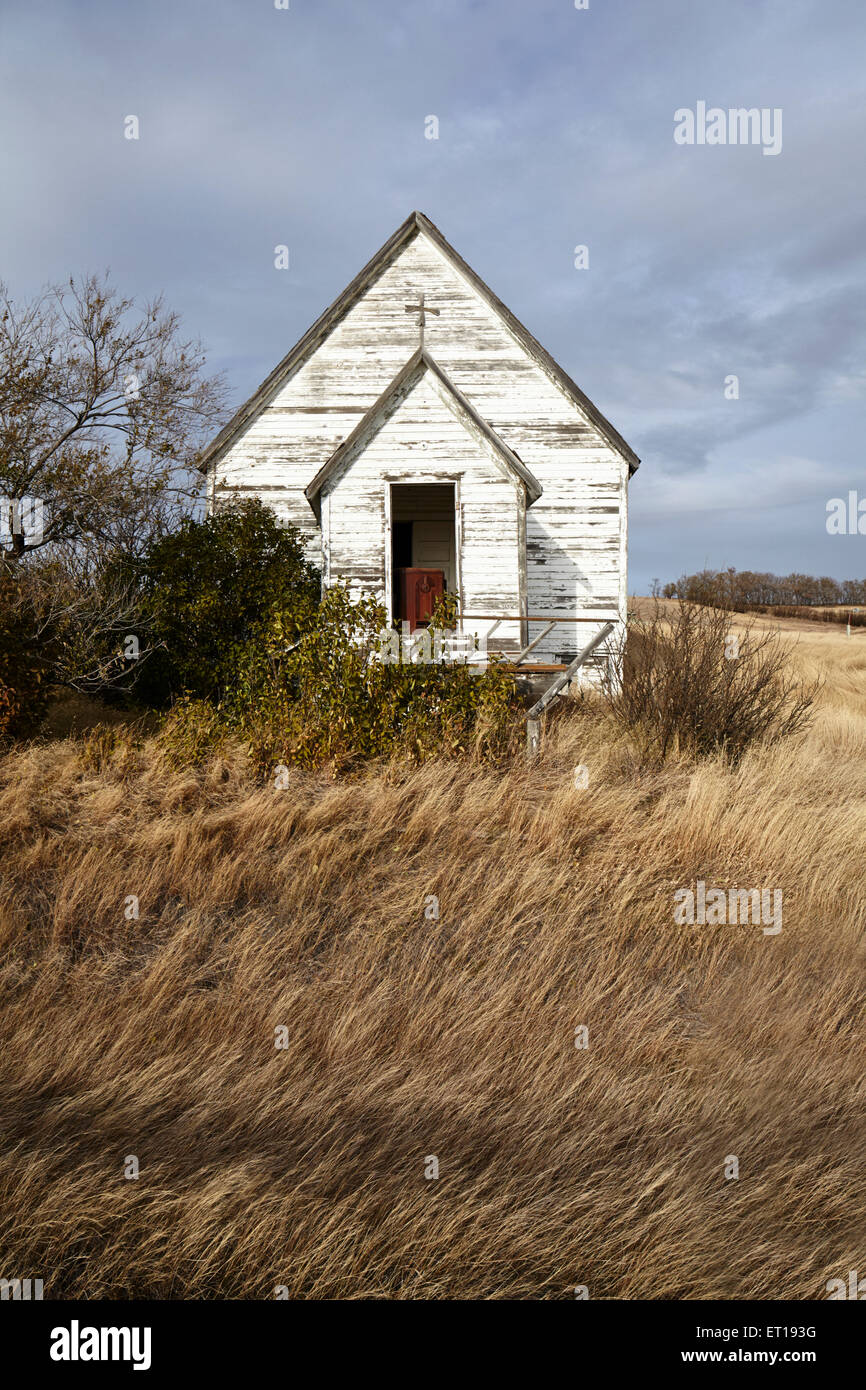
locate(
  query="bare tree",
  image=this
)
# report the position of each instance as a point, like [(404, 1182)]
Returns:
[(104, 409)]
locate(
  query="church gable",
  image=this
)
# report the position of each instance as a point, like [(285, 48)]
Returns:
[(345, 361), (433, 430)]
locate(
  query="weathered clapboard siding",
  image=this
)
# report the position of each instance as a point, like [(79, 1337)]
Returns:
[(575, 532), (425, 441)]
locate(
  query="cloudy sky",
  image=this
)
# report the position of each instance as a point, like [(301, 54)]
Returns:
[(306, 127)]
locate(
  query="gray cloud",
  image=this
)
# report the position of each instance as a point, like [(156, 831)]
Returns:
[(556, 128)]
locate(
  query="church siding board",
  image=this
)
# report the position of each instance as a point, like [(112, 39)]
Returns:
[(575, 551)]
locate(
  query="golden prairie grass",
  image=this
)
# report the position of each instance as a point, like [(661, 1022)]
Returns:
[(412, 1036)]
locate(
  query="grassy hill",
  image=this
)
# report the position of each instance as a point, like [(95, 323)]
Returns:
[(411, 1035)]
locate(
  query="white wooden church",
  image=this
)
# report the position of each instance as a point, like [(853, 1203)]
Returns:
[(423, 441)]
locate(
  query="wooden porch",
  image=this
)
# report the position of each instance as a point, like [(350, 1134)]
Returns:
[(563, 673)]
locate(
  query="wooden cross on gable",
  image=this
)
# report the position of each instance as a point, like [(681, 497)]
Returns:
[(422, 310)]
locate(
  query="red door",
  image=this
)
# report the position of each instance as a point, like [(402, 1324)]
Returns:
[(419, 591)]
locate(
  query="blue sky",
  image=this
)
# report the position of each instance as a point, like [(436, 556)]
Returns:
[(305, 127)]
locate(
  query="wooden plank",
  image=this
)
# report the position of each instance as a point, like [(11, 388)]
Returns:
[(553, 690), (542, 668), (537, 618), (532, 645)]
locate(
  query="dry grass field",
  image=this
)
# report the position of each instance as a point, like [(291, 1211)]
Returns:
[(411, 1036)]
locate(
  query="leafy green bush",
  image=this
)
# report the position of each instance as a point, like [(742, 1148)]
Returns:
[(210, 590), (330, 697)]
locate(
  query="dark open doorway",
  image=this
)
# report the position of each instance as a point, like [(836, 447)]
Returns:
[(423, 548)]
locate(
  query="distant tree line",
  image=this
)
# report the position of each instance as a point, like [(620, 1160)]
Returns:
[(745, 590)]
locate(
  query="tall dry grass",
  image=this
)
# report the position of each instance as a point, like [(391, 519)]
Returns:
[(411, 1036)]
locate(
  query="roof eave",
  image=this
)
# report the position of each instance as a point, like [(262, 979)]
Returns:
[(533, 346), (404, 233)]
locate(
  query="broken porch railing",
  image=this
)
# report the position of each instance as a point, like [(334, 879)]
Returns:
[(556, 687), (551, 620)]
